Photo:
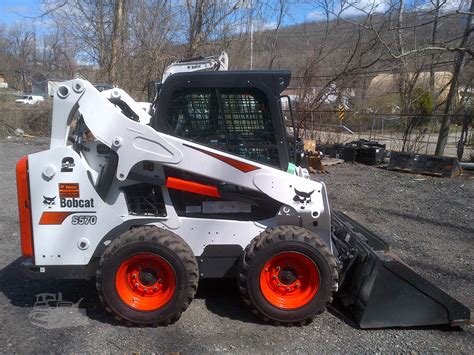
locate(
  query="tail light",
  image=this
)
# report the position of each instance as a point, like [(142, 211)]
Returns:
[(24, 207)]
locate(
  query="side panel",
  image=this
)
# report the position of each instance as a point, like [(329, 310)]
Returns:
[(69, 218), (200, 232), (67, 211)]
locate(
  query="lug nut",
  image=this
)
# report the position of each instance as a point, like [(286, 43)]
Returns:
[(134, 276), (160, 281), (278, 268), (155, 288), (136, 285), (274, 277), (288, 289), (145, 290), (297, 285), (278, 285)]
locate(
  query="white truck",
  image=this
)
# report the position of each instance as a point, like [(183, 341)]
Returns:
[(30, 99)]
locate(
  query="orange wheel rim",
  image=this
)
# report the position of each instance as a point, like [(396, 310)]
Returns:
[(289, 280), (145, 282)]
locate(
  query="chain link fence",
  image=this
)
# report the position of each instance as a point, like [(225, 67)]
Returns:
[(410, 133), (399, 133)]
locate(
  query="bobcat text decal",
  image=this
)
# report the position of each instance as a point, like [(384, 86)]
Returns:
[(69, 194), (76, 202)]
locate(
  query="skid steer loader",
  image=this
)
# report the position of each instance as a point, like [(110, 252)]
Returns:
[(203, 187)]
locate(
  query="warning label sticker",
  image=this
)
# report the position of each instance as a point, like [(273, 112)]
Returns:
[(68, 190)]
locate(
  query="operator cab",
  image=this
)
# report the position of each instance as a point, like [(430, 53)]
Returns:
[(234, 111)]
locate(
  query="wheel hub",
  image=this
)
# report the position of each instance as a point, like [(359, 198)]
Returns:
[(287, 276), (148, 277), (145, 282), (289, 280)]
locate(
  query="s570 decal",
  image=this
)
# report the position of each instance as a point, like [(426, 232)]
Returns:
[(83, 220), (58, 217)]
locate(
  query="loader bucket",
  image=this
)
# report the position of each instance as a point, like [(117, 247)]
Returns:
[(379, 290)]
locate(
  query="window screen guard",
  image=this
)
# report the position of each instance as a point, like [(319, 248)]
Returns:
[(236, 120)]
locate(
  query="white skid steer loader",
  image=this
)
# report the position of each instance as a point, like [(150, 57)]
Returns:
[(203, 187)]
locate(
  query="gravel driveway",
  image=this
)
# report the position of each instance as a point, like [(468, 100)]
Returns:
[(429, 222)]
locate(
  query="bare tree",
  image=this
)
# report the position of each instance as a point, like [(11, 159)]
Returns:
[(117, 40), (402, 47), (90, 24), (266, 19), (21, 46), (327, 68), (153, 31), (452, 94), (205, 18)]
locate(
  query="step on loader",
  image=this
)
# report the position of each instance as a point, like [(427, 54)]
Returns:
[(204, 185)]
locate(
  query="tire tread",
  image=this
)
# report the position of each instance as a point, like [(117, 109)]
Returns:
[(275, 235), (159, 236)]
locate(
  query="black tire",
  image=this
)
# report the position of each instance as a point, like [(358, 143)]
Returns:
[(272, 242), (158, 243)]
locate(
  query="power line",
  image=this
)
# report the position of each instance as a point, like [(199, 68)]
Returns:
[(375, 71)]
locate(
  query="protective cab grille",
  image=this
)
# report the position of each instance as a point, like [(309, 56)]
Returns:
[(234, 120)]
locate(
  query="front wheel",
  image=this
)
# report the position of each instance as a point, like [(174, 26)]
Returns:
[(287, 275), (147, 276)]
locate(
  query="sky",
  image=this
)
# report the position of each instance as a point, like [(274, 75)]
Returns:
[(12, 11)]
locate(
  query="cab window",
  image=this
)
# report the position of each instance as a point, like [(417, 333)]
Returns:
[(234, 120)]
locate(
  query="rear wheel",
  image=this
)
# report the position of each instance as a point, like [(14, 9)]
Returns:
[(147, 276), (287, 275)]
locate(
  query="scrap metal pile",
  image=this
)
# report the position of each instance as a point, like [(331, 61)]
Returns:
[(373, 153)]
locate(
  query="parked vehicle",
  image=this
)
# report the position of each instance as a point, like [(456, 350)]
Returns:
[(30, 99)]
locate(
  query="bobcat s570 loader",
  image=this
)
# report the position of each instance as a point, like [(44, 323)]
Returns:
[(149, 203)]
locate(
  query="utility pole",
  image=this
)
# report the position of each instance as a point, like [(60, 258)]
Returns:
[(117, 41), (251, 31), (434, 34)]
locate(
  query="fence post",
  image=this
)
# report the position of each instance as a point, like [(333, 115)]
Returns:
[(372, 129)]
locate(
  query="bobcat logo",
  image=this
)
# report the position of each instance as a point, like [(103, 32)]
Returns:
[(302, 198), (48, 201)]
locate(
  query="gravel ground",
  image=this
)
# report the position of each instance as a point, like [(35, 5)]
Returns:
[(428, 222)]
